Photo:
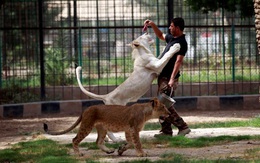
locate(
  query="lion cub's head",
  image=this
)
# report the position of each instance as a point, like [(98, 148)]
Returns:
[(159, 109)]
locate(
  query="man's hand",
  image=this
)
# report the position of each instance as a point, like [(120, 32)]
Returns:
[(148, 22), (156, 30), (173, 83)]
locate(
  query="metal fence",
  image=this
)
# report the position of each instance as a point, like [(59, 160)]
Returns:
[(42, 41)]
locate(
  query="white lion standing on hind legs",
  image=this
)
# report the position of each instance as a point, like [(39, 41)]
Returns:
[(146, 69)]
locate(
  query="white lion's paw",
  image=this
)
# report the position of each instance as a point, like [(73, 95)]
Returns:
[(118, 140), (111, 150), (176, 46), (79, 68)]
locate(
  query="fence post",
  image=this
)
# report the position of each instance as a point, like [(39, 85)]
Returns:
[(80, 52), (170, 12), (75, 24), (233, 52), (223, 42), (42, 72), (0, 59)]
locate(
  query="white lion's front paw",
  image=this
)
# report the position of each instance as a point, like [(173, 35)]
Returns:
[(176, 46)]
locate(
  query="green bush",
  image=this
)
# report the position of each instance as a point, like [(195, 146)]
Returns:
[(55, 67)]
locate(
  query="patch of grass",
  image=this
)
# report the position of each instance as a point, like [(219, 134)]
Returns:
[(45, 151), (173, 157), (93, 146), (137, 161), (254, 122), (36, 151), (181, 141), (91, 161), (253, 153), (152, 126)]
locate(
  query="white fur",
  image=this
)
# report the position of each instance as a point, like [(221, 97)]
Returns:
[(146, 68)]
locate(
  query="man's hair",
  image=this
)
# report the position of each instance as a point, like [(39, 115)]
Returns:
[(178, 22)]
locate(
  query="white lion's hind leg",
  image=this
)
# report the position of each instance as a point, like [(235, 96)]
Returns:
[(113, 138), (104, 148)]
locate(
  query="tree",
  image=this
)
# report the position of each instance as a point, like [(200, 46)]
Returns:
[(19, 41), (257, 22), (244, 6)]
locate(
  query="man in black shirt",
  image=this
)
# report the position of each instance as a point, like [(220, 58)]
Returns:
[(168, 78)]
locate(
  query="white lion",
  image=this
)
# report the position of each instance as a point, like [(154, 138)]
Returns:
[(146, 68)]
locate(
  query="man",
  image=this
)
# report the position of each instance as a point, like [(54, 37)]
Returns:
[(168, 79)]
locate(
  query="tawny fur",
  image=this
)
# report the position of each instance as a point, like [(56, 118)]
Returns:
[(115, 118)]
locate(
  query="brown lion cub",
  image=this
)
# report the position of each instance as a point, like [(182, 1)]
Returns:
[(115, 118)]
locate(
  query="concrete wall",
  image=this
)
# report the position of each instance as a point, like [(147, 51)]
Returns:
[(75, 107), (194, 89)]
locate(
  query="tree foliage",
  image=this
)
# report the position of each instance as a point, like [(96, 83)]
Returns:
[(18, 15), (245, 7)]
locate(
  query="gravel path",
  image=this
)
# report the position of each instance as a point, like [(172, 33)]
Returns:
[(17, 130)]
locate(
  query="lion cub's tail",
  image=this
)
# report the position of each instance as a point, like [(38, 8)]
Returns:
[(45, 127)]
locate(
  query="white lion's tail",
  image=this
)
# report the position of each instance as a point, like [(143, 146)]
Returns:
[(92, 95)]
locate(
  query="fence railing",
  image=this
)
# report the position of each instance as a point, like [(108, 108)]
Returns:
[(42, 42)]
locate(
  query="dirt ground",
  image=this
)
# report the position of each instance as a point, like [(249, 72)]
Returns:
[(17, 130)]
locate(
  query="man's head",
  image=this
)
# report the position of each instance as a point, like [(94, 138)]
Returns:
[(177, 26)]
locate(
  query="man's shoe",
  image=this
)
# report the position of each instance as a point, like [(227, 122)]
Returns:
[(184, 132), (161, 134)]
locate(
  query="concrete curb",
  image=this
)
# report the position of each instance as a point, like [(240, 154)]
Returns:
[(75, 107)]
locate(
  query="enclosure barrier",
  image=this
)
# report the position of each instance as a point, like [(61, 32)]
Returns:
[(43, 41)]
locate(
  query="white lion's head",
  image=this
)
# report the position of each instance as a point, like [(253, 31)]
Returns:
[(144, 41)]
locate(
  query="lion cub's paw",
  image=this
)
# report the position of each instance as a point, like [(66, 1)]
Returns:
[(78, 154), (142, 154), (121, 149)]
